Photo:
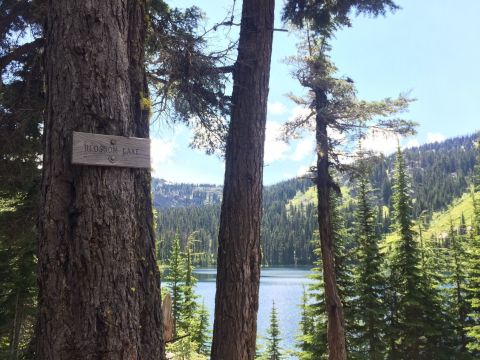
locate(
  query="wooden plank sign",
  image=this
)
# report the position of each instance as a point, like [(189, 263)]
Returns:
[(110, 150)]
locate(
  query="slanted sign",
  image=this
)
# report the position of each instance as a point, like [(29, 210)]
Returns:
[(109, 150)]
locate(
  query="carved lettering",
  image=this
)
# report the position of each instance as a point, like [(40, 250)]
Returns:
[(92, 148), (130, 151), (110, 150)]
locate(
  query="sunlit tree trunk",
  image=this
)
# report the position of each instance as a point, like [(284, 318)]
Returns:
[(239, 256), (98, 280)]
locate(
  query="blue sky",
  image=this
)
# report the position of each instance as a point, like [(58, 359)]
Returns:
[(429, 48)]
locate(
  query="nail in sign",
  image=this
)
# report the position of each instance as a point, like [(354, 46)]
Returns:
[(109, 150)]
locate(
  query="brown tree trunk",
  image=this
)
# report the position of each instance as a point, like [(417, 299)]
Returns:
[(333, 304), (239, 257), (17, 326), (99, 286)]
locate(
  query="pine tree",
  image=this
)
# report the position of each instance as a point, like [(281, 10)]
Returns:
[(304, 339), (273, 351), (201, 336), (313, 327), (345, 261), (370, 308), (474, 266), (414, 311), (175, 278), (456, 286), (189, 304), (332, 105)]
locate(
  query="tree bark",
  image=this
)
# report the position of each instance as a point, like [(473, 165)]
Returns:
[(239, 256), (17, 326), (99, 286), (335, 319)]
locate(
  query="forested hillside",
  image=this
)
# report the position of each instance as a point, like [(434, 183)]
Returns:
[(440, 173), (168, 195), (279, 245)]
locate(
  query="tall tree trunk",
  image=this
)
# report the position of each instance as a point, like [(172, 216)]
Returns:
[(239, 256), (333, 304), (99, 286), (17, 326)]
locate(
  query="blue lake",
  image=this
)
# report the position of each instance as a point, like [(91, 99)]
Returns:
[(283, 284)]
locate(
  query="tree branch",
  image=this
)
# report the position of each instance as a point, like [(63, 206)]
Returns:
[(177, 338), (19, 51)]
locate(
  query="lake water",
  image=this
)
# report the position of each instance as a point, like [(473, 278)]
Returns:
[(284, 285)]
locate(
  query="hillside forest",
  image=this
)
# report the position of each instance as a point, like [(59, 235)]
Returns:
[(99, 262)]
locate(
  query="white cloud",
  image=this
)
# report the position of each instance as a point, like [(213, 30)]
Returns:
[(435, 137), (161, 152), (299, 111), (275, 149), (303, 170), (380, 142), (276, 108), (412, 143), (304, 148)]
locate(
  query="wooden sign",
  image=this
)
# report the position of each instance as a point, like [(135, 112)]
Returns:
[(109, 150)]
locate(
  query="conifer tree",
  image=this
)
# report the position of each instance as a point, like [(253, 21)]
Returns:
[(273, 350), (191, 325), (304, 339), (474, 266), (189, 304), (174, 279), (332, 105), (414, 327), (201, 336), (345, 262), (456, 285), (369, 305)]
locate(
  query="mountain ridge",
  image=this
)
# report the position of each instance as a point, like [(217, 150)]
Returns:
[(440, 173)]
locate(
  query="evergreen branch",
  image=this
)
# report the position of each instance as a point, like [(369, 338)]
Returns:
[(20, 51)]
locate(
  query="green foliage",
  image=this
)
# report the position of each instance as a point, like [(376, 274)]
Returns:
[(191, 327), (326, 17), (174, 279), (440, 173), (455, 285), (312, 340), (415, 314), (273, 349), (369, 307), (201, 332), (17, 274), (474, 267), (286, 230), (187, 81), (21, 115)]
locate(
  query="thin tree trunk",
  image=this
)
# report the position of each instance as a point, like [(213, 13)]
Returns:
[(17, 325), (99, 286), (239, 256), (333, 304)]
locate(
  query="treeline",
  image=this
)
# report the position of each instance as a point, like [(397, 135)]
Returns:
[(286, 231), (440, 173), (404, 296), (166, 194)]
